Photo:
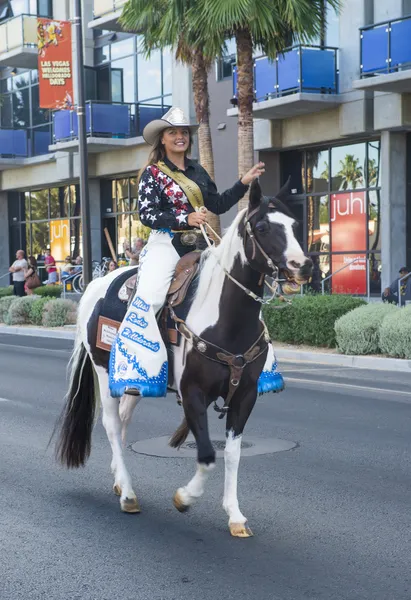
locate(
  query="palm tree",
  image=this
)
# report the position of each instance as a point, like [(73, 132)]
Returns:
[(169, 23), (351, 172), (269, 25)]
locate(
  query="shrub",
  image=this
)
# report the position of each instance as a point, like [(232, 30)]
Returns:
[(37, 309), (19, 311), (5, 304), (6, 291), (395, 333), (308, 319), (59, 312), (49, 291), (358, 332)]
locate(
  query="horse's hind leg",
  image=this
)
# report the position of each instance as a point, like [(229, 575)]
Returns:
[(113, 426), (195, 407), (240, 409)]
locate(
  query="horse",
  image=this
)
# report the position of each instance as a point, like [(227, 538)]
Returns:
[(223, 313)]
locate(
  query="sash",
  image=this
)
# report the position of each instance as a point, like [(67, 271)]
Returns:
[(190, 188)]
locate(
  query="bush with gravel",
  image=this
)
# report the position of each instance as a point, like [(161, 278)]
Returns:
[(19, 311), (395, 333), (58, 313), (5, 304)]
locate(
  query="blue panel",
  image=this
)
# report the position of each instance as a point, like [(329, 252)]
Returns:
[(41, 142), (235, 82), (147, 114), (13, 142), (265, 78), (319, 70), (375, 49), (111, 119), (289, 71), (400, 43), (62, 124)]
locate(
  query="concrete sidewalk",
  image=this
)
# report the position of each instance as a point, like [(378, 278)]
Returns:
[(294, 353)]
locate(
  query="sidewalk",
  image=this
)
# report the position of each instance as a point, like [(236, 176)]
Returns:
[(306, 354)]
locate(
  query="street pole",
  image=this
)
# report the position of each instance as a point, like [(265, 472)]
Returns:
[(82, 143)]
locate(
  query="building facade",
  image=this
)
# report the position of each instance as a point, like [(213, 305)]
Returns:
[(336, 119), (39, 161)]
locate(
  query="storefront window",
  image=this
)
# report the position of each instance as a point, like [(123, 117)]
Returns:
[(40, 238), (317, 176), (348, 167), (374, 222), (318, 223), (374, 164), (39, 205), (149, 76)]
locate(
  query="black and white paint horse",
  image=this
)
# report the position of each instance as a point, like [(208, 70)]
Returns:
[(223, 315)]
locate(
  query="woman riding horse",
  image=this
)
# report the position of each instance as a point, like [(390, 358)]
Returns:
[(173, 191)]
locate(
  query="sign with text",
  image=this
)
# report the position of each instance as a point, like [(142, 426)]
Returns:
[(55, 64), (348, 235), (60, 239)]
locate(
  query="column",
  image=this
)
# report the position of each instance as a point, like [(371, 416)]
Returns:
[(4, 239), (95, 219), (393, 204)]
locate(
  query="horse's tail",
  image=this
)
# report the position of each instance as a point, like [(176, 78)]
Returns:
[(180, 436), (77, 419)]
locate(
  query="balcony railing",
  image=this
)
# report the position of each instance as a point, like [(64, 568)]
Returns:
[(310, 69), (25, 143), (385, 47), (107, 120), (18, 32), (106, 7)]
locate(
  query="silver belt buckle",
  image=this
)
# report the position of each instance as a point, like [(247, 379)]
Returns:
[(189, 238)]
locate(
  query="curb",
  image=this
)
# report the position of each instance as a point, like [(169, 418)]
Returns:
[(39, 332), (338, 360), (342, 360)]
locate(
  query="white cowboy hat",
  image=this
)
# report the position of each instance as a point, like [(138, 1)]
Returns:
[(173, 118)]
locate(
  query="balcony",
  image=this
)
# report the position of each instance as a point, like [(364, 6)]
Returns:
[(18, 42), (106, 14), (302, 80), (20, 146), (108, 125), (385, 62)]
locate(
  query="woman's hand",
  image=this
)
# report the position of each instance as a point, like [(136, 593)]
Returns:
[(253, 173), (195, 219)]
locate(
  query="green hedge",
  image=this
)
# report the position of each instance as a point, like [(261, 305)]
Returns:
[(395, 333), (37, 310), (57, 313), (6, 291), (358, 332), (308, 319), (19, 311), (49, 291), (5, 304)]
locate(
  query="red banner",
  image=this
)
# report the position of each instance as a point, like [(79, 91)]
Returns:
[(349, 234), (55, 64)]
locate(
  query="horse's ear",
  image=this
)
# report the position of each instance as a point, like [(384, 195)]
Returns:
[(285, 191), (255, 194)]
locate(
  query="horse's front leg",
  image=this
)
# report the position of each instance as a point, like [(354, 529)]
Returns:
[(240, 408), (195, 408), (113, 426)]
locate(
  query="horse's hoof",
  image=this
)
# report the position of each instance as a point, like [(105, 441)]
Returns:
[(178, 502), (117, 489), (130, 505), (240, 530)]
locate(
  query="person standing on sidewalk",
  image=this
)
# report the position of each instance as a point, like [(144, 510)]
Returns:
[(51, 268), (18, 269)]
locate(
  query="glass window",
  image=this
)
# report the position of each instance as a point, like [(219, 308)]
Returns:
[(58, 205), (292, 163), (123, 232), (101, 54), (40, 237), (317, 175), (123, 80), (21, 80), (167, 72), (348, 164), (74, 200), (122, 48), (76, 238), (19, 7), (375, 273), (21, 108), (227, 61), (6, 109), (374, 219), (374, 164), (44, 8), (34, 76), (149, 76), (39, 115), (332, 36), (26, 215), (27, 228), (39, 205), (133, 194), (318, 223), (123, 200), (114, 196)]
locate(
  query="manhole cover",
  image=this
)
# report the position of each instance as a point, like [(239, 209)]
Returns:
[(250, 447), (217, 444)]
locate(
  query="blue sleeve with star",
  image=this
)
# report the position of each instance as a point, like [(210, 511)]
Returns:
[(151, 212)]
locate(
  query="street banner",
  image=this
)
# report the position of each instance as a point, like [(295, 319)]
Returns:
[(60, 239), (349, 235), (55, 64)]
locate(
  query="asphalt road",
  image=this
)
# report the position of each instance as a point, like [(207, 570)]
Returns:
[(331, 518)]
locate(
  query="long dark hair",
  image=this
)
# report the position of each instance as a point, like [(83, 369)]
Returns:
[(32, 262), (158, 152)]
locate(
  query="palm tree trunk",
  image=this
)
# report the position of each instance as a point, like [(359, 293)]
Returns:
[(245, 74), (200, 69)]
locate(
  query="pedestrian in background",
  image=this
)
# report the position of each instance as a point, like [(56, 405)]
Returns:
[(31, 277), (17, 269), (112, 266), (133, 253), (50, 268), (390, 294)]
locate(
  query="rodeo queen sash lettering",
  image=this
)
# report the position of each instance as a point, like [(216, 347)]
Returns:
[(138, 358)]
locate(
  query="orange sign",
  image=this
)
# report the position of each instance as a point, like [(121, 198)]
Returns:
[(60, 239), (55, 64)]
